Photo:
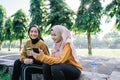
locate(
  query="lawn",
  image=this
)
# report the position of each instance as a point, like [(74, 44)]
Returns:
[(5, 50), (3, 74), (84, 52), (100, 52)]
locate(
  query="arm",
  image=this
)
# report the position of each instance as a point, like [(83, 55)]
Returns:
[(23, 54), (52, 60), (53, 55)]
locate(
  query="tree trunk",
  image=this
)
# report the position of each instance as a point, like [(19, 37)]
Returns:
[(20, 44), (9, 46), (89, 43), (0, 45)]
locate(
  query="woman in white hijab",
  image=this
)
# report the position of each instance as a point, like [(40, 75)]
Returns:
[(63, 64)]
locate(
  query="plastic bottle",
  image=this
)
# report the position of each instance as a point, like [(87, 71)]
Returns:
[(94, 71)]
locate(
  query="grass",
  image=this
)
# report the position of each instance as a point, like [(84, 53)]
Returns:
[(83, 52), (3, 74), (12, 49), (5, 50), (100, 52)]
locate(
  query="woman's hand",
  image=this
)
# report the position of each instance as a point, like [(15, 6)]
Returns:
[(28, 61), (29, 53)]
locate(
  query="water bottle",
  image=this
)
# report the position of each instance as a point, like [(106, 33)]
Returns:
[(94, 71)]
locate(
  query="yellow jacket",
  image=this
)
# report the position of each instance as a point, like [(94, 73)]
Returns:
[(40, 44), (66, 57)]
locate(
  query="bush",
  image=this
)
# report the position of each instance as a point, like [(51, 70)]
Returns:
[(4, 75)]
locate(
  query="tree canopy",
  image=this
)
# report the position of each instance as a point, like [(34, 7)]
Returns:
[(113, 9), (2, 21), (60, 14)]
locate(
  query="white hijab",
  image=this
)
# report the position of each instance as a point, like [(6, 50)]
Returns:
[(64, 34)]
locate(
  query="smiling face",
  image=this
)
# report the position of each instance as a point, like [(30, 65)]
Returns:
[(33, 33), (54, 37)]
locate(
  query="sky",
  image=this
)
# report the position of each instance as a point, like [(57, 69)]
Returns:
[(12, 6)]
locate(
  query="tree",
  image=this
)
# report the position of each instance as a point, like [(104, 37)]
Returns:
[(112, 39), (20, 24), (37, 11), (2, 20), (113, 9), (9, 32), (60, 14), (88, 19)]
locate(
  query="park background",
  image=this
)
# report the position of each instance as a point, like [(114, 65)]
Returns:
[(95, 24)]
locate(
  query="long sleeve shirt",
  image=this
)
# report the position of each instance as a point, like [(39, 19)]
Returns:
[(40, 44), (65, 57)]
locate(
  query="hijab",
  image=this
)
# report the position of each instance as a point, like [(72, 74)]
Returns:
[(65, 37), (34, 41)]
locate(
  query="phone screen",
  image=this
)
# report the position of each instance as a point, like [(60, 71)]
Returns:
[(36, 50)]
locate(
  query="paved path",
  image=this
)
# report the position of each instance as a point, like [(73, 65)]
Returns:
[(8, 58), (107, 68)]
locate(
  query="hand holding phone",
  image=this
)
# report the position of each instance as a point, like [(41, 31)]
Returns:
[(36, 50)]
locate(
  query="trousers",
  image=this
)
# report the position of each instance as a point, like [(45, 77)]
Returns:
[(23, 71), (60, 72)]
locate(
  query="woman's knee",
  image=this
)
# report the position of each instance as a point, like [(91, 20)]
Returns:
[(17, 63)]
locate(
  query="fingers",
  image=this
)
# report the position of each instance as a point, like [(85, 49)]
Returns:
[(28, 61)]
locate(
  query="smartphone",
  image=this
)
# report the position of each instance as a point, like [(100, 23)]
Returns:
[(36, 50)]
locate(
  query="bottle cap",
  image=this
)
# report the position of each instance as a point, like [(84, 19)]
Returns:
[(93, 64)]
